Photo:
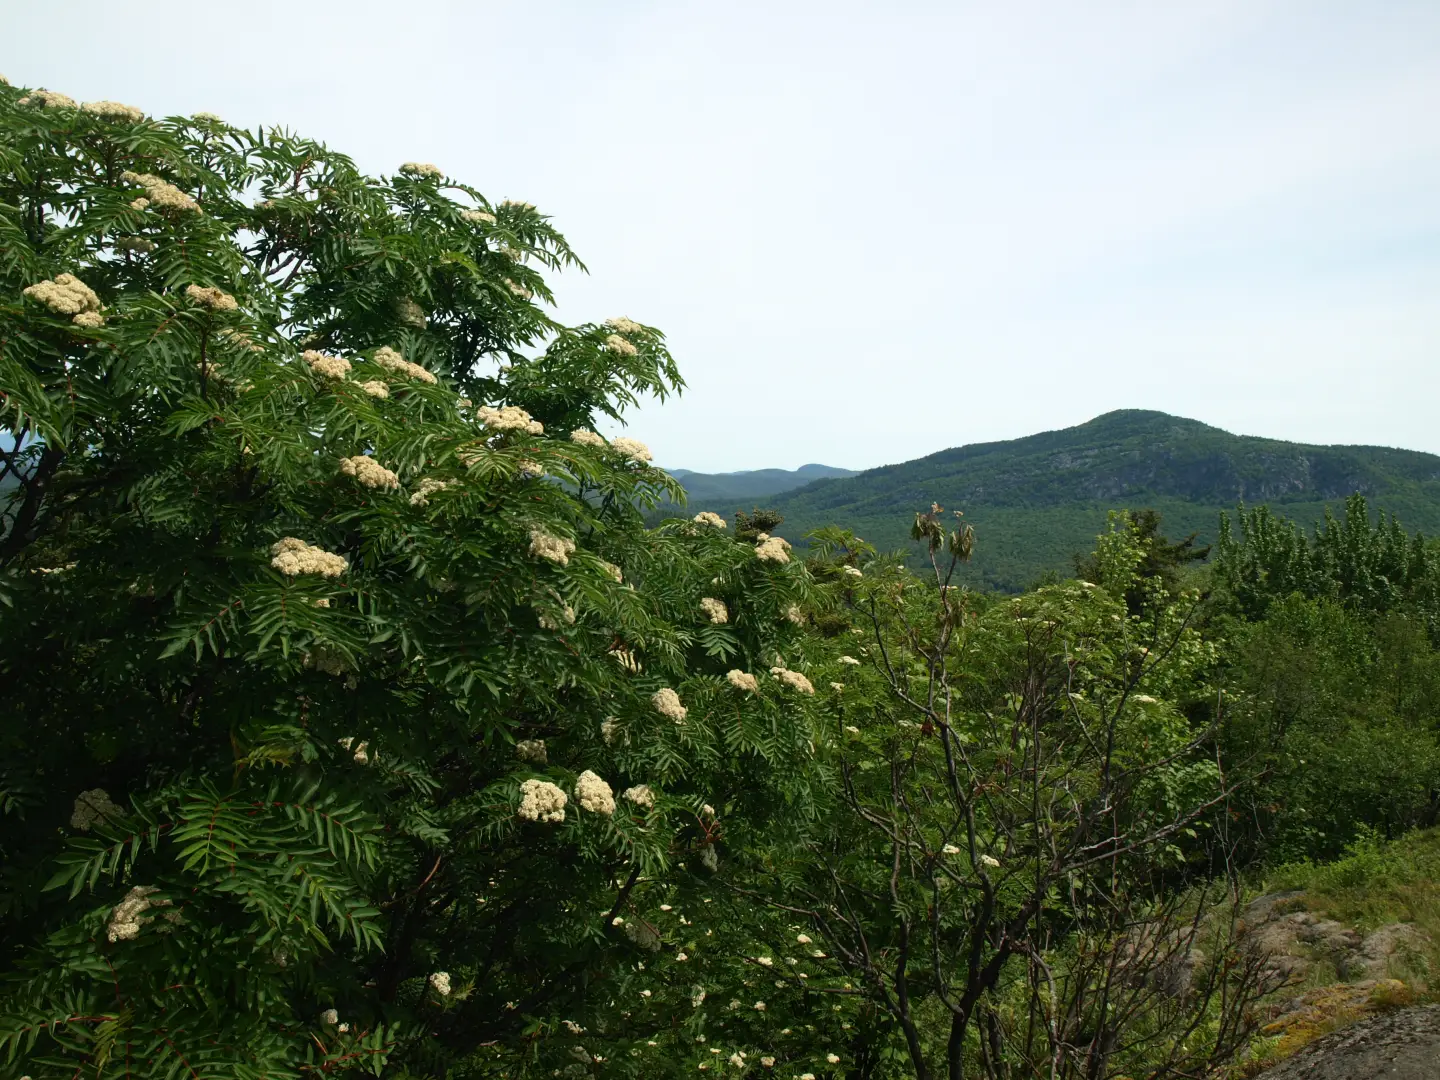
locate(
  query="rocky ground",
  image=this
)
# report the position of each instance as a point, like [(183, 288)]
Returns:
[(1344, 1016), (1399, 1045)]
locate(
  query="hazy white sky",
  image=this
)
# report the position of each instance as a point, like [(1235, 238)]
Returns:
[(872, 231)]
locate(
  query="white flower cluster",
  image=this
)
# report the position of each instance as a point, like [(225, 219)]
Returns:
[(293, 557), (849, 660), (66, 294), (531, 750), (129, 915), (369, 472), (427, 487), (518, 289), (114, 110), (587, 438), (620, 324), (208, 117), (515, 204), (440, 982), (795, 615), (376, 389), (162, 193), (617, 344), (361, 753), (773, 549), (137, 244), (550, 622), (667, 703), (853, 571), (641, 796), (529, 469), (50, 99), (633, 449), (793, 679), (949, 849), (627, 660), (210, 297), (613, 572), (742, 680), (93, 806), (609, 728), (396, 364), (477, 217), (706, 517), (554, 548), (422, 168), (326, 366), (541, 800), (715, 609), (508, 418), (594, 794), (989, 860), (330, 1017)]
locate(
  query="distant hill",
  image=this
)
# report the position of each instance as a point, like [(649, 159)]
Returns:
[(1037, 500), (739, 490)]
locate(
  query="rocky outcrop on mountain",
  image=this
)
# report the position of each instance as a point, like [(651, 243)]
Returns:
[(1399, 1045)]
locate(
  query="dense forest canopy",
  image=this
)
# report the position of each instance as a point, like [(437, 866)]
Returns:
[(359, 723)]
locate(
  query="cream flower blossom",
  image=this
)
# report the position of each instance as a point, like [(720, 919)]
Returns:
[(714, 609), (621, 325), (793, 679), (138, 244), (565, 617), (369, 472), (360, 753), (529, 469), (768, 1062), (427, 487), (293, 557), (518, 289), (208, 117), (594, 794), (129, 915), (330, 1017), (609, 728), (707, 517), (92, 807), (531, 750), (613, 572), (989, 860), (50, 99), (853, 571), (556, 549), (396, 364), (515, 204), (587, 438), (618, 345), (541, 800), (90, 320), (627, 660), (765, 961), (849, 660), (210, 297), (114, 110), (508, 418), (422, 169), (440, 982), (795, 615), (949, 849), (326, 366), (833, 1059), (837, 687), (65, 294), (641, 796), (162, 193), (742, 680), (773, 549), (478, 217), (376, 389), (667, 703), (633, 449)]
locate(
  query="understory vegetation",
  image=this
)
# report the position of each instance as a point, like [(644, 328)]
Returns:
[(358, 723)]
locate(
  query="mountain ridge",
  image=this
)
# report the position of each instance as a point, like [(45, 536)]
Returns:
[(1037, 500)]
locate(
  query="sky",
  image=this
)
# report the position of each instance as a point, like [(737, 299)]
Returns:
[(871, 231)]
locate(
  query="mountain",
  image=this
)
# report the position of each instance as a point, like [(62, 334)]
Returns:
[(743, 489), (1036, 501)]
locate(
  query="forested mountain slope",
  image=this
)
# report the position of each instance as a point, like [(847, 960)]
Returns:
[(1034, 501), (743, 488)]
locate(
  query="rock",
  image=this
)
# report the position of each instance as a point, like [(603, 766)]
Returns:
[(1375, 956), (1400, 1045)]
